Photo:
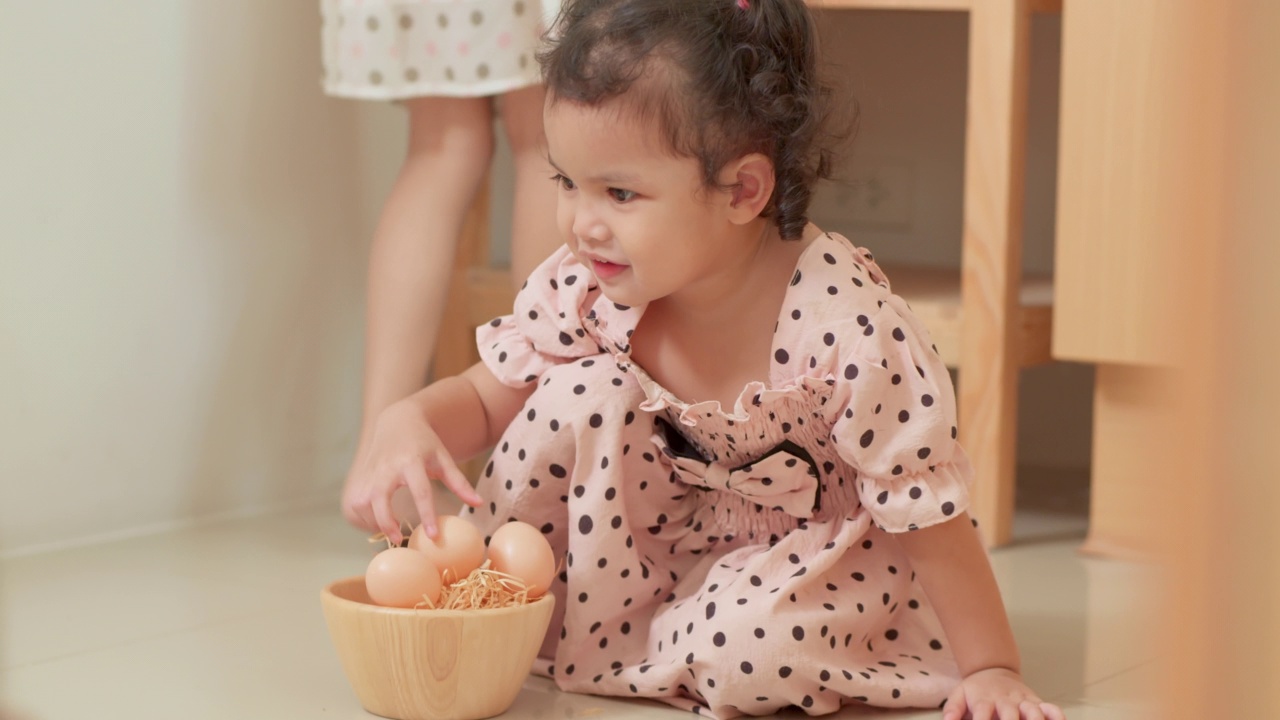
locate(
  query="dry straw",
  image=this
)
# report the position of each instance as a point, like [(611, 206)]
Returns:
[(483, 589)]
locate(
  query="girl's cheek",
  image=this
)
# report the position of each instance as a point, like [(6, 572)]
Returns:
[(564, 224)]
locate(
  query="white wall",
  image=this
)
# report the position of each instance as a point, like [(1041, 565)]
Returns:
[(183, 224)]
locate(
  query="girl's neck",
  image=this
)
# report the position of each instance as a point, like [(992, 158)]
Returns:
[(750, 286), (709, 345)]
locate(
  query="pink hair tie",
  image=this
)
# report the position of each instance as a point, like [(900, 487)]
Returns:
[(742, 4)]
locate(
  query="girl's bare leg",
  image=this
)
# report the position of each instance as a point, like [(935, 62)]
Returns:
[(533, 234), (411, 258)]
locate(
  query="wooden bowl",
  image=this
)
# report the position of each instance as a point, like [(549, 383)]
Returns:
[(433, 664)]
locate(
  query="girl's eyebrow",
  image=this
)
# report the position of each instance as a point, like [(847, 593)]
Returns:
[(610, 179)]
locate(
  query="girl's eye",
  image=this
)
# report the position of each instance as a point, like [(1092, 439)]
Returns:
[(562, 181), (621, 195)]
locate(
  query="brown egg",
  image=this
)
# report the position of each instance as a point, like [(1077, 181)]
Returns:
[(457, 549), (519, 549), (402, 577)]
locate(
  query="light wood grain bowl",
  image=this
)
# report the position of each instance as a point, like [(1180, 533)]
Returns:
[(433, 664)]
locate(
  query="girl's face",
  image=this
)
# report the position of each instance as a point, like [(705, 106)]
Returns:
[(636, 215)]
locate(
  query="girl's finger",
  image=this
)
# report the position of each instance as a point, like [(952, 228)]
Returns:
[(353, 516), (1052, 712), (453, 479), (415, 476), (360, 514), (1030, 710), (983, 711), (364, 518), (954, 708), (1007, 710), (386, 517)]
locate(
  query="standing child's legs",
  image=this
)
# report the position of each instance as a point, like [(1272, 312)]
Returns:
[(533, 229), (411, 258)]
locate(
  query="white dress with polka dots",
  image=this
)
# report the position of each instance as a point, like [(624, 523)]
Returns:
[(397, 49), (733, 561)]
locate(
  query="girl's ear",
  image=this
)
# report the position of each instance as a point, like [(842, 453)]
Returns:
[(752, 179)]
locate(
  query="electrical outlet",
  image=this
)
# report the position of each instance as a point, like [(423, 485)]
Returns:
[(877, 194)]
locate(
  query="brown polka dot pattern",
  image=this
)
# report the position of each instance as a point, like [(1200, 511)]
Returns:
[(697, 591)]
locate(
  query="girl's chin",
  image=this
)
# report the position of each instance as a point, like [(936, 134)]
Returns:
[(619, 296)]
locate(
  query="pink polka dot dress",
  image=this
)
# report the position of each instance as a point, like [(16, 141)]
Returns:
[(397, 49), (733, 561)]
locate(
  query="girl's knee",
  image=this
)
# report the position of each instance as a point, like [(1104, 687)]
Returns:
[(440, 126), (578, 411), (588, 402), (521, 114)]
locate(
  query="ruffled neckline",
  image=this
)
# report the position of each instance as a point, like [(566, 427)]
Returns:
[(755, 394)]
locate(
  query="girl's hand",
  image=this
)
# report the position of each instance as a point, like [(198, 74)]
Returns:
[(997, 694), (404, 452)]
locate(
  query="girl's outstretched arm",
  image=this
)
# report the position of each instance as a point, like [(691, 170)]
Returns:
[(952, 566), (416, 440)]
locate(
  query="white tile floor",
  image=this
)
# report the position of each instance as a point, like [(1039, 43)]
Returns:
[(223, 621)]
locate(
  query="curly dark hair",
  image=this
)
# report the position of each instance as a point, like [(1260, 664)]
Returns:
[(720, 79)]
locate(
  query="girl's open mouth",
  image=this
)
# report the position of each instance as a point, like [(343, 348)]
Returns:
[(605, 270)]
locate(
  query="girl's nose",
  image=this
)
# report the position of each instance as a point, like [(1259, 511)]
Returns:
[(588, 227)]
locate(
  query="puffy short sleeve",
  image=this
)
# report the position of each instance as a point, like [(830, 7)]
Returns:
[(546, 327), (897, 423)]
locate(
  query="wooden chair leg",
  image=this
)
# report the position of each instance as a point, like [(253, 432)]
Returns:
[(999, 59)]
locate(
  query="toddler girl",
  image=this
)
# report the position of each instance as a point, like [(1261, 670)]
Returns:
[(740, 441)]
